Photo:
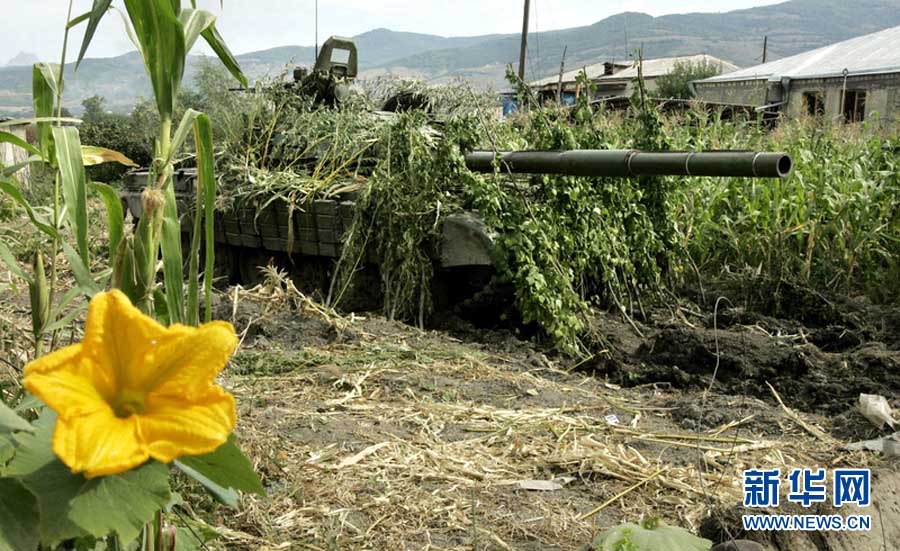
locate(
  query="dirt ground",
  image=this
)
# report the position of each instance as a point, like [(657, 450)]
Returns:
[(371, 434)]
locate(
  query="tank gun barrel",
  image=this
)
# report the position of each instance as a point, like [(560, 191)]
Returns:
[(627, 163)]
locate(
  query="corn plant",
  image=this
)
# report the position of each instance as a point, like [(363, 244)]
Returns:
[(134, 396)]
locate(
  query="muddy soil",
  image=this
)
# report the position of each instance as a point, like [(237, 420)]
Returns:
[(818, 369)]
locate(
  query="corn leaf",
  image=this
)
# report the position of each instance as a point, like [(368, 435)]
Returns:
[(9, 187), (12, 264), (96, 14), (129, 31), (43, 90), (205, 162), (194, 22), (19, 142), (8, 171), (80, 270), (217, 43), (78, 20), (61, 323), (206, 196), (93, 155), (173, 270), (74, 185), (161, 36), (181, 133), (115, 217), (38, 120)]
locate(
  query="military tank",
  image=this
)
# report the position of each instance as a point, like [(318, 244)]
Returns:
[(248, 238)]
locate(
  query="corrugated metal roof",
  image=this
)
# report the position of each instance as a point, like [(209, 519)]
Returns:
[(872, 53), (652, 68)]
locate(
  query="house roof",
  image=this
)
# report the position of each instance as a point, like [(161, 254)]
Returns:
[(652, 68), (872, 53)]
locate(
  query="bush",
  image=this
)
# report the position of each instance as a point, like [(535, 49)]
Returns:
[(677, 83), (113, 131)]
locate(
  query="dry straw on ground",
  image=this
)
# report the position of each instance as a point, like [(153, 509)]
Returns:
[(408, 440)]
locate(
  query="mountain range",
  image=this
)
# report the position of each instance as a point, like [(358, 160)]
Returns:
[(737, 36)]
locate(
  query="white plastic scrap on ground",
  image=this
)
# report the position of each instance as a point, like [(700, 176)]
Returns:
[(876, 409)]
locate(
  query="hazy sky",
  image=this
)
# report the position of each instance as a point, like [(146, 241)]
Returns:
[(36, 26)]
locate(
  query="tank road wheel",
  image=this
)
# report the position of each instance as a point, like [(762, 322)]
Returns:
[(249, 265)]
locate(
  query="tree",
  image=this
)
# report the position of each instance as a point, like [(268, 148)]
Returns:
[(94, 109), (676, 84)]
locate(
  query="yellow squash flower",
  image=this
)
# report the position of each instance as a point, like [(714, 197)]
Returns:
[(133, 389)]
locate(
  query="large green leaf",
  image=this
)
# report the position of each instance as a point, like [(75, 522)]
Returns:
[(7, 450), (649, 535), (217, 43), (72, 506), (122, 503), (97, 12), (223, 472), (43, 92), (10, 421), (161, 36), (74, 185), (19, 529), (115, 216)]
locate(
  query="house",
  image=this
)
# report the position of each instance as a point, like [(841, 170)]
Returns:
[(11, 154), (850, 80), (615, 79)]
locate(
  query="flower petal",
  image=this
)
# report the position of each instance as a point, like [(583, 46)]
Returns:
[(54, 360), (68, 382), (117, 336), (187, 365), (172, 427), (100, 443)]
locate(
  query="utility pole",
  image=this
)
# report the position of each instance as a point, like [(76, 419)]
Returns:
[(524, 49), (562, 69), (317, 30), (765, 48)]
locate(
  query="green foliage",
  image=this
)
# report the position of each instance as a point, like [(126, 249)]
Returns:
[(70, 506), (831, 227), (399, 213), (649, 535), (126, 134), (18, 515), (74, 185), (223, 472), (676, 84), (565, 242)]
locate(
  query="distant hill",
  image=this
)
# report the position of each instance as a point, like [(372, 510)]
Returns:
[(737, 36), (22, 59)]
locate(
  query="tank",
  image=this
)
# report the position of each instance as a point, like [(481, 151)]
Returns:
[(249, 237)]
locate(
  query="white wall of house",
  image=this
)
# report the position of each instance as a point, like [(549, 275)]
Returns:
[(11, 154)]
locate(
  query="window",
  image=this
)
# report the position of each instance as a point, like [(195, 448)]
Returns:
[(854, 105), (815, 103), (340, 55)]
